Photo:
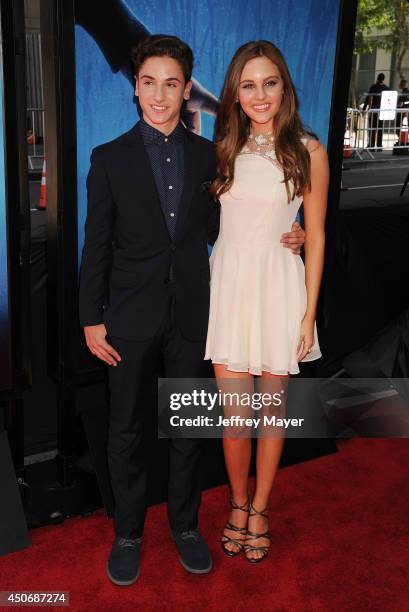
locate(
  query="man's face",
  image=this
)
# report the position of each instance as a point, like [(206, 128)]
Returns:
[(161, 88)]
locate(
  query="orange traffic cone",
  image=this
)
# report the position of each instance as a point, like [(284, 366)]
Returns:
[(404, 132), (402, 146), (43, 187)]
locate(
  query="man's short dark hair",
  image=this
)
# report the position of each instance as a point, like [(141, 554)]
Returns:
[(163, 45), (381, 77)]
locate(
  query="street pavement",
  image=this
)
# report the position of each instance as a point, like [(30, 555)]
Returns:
[(374, 182)]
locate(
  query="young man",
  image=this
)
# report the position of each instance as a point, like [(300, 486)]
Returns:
[(144, 292), (373, 102)]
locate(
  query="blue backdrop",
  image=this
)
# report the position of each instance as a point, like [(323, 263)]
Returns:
[(305, 30), (4, 306)]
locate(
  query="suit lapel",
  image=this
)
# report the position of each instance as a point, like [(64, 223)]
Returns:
[(141, 158), (190, 180)]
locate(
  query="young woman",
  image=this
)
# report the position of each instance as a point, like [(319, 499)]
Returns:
[(263, 302)]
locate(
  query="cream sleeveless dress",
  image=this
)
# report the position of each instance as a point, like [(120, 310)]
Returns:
[(257, 289)]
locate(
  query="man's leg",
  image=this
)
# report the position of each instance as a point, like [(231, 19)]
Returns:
[(380, 133), (130, 383), (372, 129), (184, 359)]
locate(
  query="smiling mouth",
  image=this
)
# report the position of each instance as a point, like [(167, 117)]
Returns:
[(158, 109), (261, 108)]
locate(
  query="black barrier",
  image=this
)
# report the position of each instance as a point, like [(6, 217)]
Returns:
[(14, 206), (15, 371), (345, 46), (13, 529)]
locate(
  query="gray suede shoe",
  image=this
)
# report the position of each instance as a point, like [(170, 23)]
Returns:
[(123, 562), (194, 553)]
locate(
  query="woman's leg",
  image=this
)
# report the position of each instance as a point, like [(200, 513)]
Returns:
[(269, 448), (237, 449)]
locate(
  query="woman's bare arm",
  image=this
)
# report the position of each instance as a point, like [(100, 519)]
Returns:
[(315, 207)]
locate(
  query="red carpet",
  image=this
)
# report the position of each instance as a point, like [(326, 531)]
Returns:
[(340, 541)]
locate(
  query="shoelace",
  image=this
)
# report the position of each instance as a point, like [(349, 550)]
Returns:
[(127, 543), (190, 534)]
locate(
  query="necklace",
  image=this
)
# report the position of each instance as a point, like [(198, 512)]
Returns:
[(262, 139), (261, 144)]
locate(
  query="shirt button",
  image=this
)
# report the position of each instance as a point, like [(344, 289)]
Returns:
[(172, 214), (168, 159), (170, 186), (166, 140)]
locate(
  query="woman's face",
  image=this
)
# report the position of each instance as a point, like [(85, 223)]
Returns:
[(260, 93)]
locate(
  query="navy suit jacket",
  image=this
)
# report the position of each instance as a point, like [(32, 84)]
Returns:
[(128, 251)]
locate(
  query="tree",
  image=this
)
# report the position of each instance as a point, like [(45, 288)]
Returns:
[(400, 33), (391, 19)]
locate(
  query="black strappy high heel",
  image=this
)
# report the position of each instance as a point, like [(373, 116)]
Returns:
[(251, 535), (239, 543)]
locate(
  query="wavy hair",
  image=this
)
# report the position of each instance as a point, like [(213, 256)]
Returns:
[(233, 126)]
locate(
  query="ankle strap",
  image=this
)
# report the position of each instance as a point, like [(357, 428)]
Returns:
[(254, 512), (245, 507)]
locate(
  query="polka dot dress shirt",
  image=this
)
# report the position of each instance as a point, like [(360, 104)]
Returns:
[(166, 154)]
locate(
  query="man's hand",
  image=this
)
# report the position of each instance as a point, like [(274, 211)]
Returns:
[(95, 338), (295, 239)]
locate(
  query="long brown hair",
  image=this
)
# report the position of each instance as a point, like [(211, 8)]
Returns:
[(233, 125)]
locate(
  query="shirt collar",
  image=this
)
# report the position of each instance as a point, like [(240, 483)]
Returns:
[(152, 136)]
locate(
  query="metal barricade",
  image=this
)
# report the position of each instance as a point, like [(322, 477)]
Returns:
[(366, 132), (370, 128)]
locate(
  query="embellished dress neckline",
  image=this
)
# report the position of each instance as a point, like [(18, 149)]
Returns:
[(260, 144)]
